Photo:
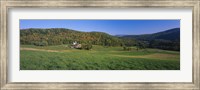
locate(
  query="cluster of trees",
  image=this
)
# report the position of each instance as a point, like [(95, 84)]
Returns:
[(157, 43), (127, 48), (86, 46), (139, 45), (165, 44), (41, 43)]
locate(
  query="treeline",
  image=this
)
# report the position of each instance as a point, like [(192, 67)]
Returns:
[(58, 36), (157, 43), (165, 44)]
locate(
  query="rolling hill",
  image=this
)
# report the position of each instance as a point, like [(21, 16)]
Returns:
[(172, 35), (58, 36)]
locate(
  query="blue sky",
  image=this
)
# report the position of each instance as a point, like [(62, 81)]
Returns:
[(113, 27)]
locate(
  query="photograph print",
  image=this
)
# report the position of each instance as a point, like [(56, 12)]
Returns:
[(69, 44)]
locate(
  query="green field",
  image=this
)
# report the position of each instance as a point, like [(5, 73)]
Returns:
[(61, 57)]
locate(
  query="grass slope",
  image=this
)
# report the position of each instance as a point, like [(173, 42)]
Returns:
[(99, 58)]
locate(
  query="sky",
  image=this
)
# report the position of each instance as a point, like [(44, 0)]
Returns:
[(112, 27)]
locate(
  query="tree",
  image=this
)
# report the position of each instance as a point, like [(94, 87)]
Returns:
[(127, 48), (42, 43), (141, 45), (87, 46)]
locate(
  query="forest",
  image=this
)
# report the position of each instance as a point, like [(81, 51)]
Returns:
[(166, 40)]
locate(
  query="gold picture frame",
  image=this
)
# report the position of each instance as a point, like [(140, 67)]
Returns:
[(6, 4)]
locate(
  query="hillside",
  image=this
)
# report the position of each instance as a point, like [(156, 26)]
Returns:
[(167, 40), (172, 35), (58, 36)]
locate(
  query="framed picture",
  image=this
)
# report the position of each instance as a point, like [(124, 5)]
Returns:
[(103, 44)]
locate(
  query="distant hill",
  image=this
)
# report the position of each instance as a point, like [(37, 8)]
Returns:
[(172, 35), (167, 40)]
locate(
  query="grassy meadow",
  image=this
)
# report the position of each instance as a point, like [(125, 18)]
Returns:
[(61, 57)]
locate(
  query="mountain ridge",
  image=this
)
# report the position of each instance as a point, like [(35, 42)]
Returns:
[(170, 34)]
